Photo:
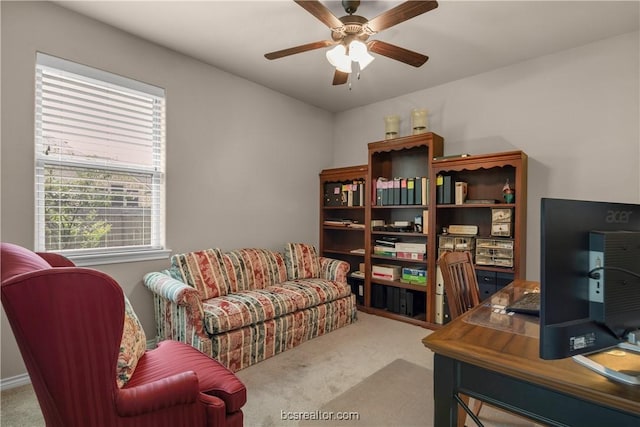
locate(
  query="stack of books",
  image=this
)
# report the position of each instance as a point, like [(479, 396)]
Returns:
[(385, 246), (412, 251)]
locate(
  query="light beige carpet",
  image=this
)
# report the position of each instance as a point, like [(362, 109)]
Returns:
[(400, 394), (339, 371)]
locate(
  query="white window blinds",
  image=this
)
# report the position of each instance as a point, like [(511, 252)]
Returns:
[(99, 150)]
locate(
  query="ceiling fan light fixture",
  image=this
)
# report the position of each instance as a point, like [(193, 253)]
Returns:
[(339, 59), (358, 53), (333, 55)]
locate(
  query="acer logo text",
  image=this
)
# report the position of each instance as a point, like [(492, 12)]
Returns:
[(618, 217)]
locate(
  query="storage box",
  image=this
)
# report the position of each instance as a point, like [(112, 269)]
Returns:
[(501, 215), (501, 229), (411, 247), (417, 276), (446, 242), (386, 271), (463, 243), (415, 256)]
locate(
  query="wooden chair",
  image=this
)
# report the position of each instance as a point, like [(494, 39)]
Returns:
[(461, 288)]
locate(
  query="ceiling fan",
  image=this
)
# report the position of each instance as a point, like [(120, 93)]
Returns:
[(349, 35)]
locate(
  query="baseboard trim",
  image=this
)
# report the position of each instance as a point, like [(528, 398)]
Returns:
[(13, 382)]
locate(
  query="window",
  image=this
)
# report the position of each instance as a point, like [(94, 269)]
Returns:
[(99, 151)]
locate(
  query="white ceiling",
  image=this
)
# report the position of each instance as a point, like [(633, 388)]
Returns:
[(461, 38)]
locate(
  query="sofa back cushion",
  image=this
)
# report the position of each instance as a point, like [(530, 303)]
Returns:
[(255, 269), (302, 261), (204, 270)]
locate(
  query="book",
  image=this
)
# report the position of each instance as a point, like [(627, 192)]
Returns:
[(461, 192), (411, 247), (425, 190)]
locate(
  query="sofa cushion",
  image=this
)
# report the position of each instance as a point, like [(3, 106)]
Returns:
[(301, 260), (203, 270), (312, 292), (243, 308), (255, 269), (132, 346)]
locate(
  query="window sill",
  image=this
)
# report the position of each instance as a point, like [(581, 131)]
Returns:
[(85, 260)]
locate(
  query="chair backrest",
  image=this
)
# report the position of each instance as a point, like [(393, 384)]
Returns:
[(68, 324), (460, 282)]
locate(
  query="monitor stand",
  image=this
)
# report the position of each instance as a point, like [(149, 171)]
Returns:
[(620, 363)]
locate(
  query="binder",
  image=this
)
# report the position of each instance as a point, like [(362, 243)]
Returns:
[(403, 301), (409, 304), (439, 189), (411, 188), (396, 191), (404, 197), (332, 194), (355, 189), (418, 190), (448, 190), (439, 309), (380, 185)]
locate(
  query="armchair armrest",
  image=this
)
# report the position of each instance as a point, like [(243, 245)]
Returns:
[(334, 269), (179, 389), (56, 260)]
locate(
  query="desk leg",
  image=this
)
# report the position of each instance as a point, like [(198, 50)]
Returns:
[(445, 380)]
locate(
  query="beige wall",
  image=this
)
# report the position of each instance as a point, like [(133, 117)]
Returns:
[(242, 160), (576, 114)]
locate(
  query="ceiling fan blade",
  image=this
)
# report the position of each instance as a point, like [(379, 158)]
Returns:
[(397, 53), (340, 78), (298, 49), (400, 13), (318, 10)]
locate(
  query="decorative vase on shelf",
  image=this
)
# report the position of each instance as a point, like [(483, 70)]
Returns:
[(508, 193), (391, 126), (419, 121)]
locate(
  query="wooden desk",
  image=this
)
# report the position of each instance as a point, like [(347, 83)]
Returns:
[(494, 357)]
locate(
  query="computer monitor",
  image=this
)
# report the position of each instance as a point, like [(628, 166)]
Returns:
[(579, 314)]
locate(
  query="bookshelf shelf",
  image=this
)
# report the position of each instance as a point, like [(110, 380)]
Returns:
[(485, 176), (337, 241), (406, 158)]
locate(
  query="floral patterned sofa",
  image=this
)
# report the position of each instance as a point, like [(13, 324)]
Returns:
[(243, 306)]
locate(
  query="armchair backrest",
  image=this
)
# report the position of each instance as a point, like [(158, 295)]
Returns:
[(68, 324)]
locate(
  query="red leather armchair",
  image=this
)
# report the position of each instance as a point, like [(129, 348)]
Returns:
[(68, 323)]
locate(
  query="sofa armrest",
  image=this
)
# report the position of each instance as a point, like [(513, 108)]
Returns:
[(180, 297), (334, 269), (171, 289), (179, 389)]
